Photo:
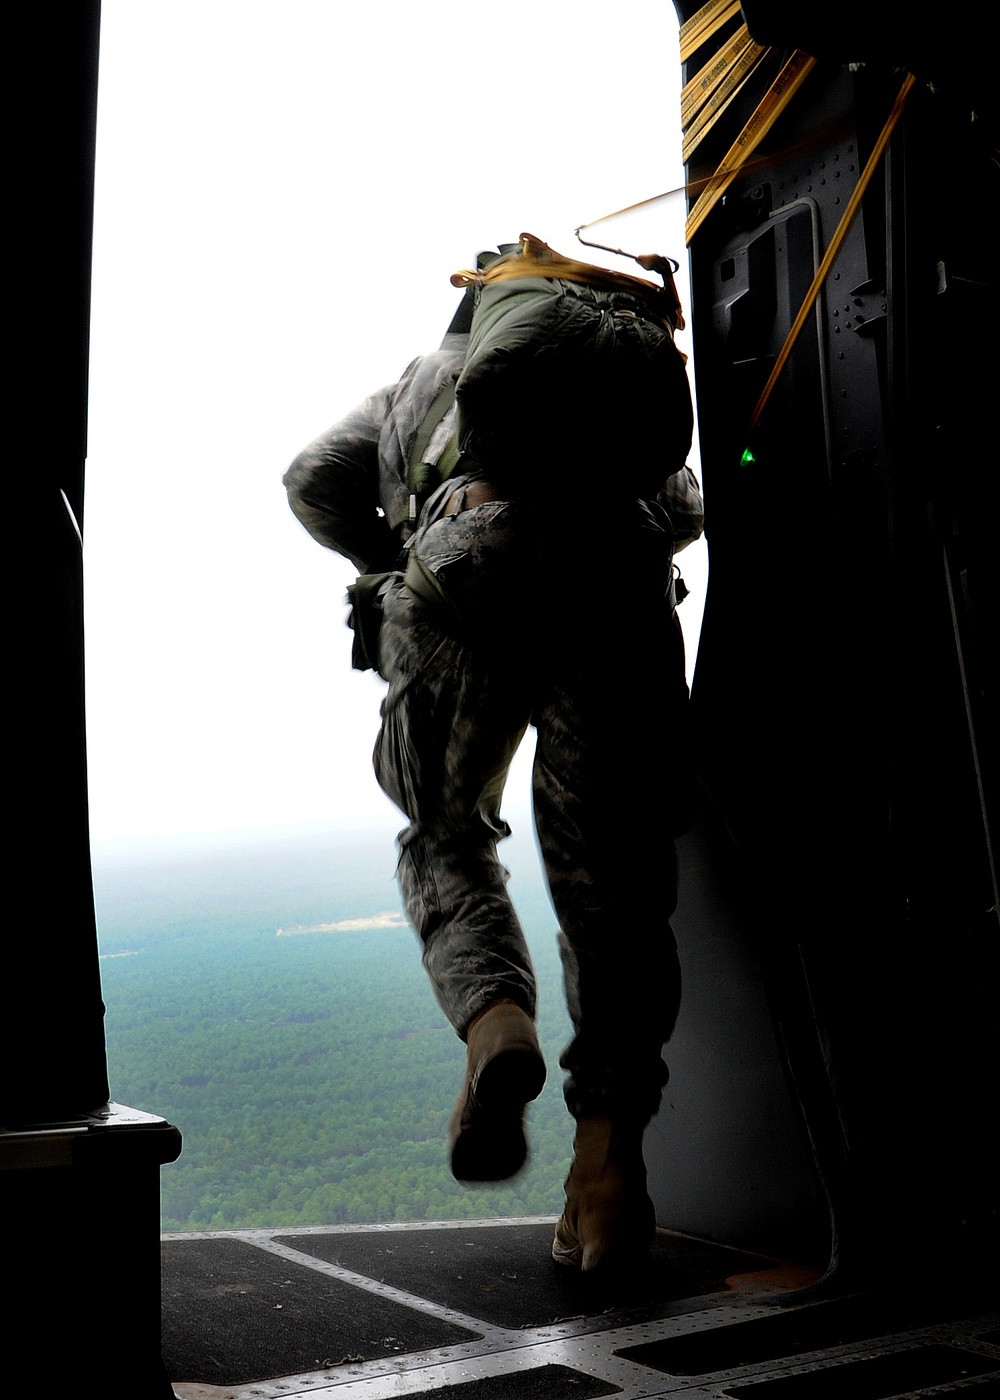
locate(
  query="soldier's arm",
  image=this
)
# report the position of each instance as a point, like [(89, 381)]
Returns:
[(333, 488), (681, 498)]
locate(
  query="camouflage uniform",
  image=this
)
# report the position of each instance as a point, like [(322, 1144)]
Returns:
[(514, 622)]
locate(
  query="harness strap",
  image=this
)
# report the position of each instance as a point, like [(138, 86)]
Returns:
[(420, 581)]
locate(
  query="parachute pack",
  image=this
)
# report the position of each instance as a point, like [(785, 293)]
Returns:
[(571, 378), (571, 388)]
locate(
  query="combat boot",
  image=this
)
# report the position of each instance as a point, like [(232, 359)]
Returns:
[(504, 1071), (608, 1220)]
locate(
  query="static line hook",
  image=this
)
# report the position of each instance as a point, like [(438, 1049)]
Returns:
[(646, 260)]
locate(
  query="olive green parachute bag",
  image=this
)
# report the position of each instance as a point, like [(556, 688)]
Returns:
[(572, 381)]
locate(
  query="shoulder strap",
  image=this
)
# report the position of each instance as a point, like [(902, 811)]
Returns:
[(422, 476)]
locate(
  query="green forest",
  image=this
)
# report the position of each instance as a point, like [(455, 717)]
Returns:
[(311, 1074)]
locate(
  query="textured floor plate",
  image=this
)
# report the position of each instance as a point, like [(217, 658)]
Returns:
[(506, 1276)]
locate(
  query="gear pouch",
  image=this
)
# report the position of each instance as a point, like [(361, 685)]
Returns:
[(365, 618)]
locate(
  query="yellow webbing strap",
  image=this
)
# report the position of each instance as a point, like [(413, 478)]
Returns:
[(537, 259), (769, 109), (706, 22), (840, 233), (710, 99), (697, 90)]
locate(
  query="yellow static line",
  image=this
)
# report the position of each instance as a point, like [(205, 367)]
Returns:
[(720, 99), (706, 22)]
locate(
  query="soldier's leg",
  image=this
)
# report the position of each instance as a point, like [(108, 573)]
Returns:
[(456, 709), (449, 732), (612, 780), (603, 786)]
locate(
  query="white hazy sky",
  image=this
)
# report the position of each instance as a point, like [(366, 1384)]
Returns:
[(283, 190)]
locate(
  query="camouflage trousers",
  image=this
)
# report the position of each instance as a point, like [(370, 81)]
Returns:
[(516, 620)]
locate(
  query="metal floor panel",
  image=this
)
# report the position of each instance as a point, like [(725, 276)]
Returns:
[(727, 1344)]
